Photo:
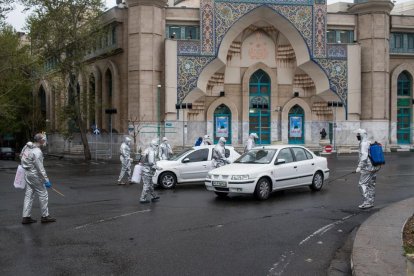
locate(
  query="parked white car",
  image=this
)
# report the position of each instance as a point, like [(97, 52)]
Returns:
[(191, 165), (265, 169)]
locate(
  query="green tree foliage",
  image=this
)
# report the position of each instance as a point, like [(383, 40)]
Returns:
[(16, 101), (65, 31), (5, 7)]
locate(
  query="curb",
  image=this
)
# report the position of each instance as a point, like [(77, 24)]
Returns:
[(377, 246)]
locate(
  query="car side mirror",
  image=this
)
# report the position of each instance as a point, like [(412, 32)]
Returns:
[(280, 161), (186, 160), (227, 154)]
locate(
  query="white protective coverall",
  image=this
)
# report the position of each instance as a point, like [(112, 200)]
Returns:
[(251, 142), (368, 177), (206, 140), (165, 149), (125, 157), (149, 160), (35, 177), (219, 154)]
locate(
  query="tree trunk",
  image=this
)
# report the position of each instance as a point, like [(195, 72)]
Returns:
[(84, 138), (79, 121)]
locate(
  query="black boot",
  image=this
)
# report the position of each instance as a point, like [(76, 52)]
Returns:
[(47, 219), (28, 220), (155, 198)]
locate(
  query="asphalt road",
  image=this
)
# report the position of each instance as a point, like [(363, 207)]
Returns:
[(102, 229)]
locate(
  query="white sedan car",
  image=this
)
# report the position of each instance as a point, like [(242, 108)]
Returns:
[(191, 165), (265, 169)]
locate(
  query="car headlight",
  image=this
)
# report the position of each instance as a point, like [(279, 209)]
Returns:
[(240, 177), (208, 176)]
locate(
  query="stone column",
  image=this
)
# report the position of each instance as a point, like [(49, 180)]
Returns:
[(373, 36), (146, 34)]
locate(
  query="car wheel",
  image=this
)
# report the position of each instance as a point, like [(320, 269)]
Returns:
[(317, 182), (167, 180), (221, 195), (263, 189)]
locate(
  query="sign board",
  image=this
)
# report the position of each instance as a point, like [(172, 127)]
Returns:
[(295, 129), (222, 126), (96, 131), (167, 124), (328, 148)]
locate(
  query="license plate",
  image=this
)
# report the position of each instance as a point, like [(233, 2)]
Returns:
[(219, 183)]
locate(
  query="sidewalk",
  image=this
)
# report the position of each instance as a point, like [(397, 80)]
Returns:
[(377, 246)]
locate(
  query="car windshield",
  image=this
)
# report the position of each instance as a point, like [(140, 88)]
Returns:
[(258, 156), (177, 156)]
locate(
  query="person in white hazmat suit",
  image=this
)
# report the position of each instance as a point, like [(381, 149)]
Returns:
[(206, 140), (149, 160), (219, 154), (368, 177), (36, 180), (251, 142), (165, 149), (126, 160)]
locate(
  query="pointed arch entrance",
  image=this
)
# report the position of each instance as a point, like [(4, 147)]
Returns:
[(404, 111), (222, 123), (296, 125), (259, 106)]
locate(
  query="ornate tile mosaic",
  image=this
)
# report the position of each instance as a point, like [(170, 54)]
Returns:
[(284, 2), (188, 47), (337, 72), (188, 70), (226, 14), (337, 51), (218, 16), (207, 26), (319, 47)]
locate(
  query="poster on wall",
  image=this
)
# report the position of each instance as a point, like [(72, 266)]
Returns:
[(222, 126), (295, 126)]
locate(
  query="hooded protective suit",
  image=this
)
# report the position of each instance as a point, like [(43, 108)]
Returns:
[(219, 154), (36, 177), (206, 140), (251, 142), (149, 160), (125, 157), (165, 149), (368, 177)]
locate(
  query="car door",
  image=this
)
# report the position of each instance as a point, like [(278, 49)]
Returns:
[(305, 166), (195, 165), (284, 173)]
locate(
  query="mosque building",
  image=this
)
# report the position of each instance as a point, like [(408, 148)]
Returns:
[(284, 69)]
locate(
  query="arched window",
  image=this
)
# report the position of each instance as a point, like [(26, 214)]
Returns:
[(259, 106), (222, 123), (404, 107), (91, 100), (296, 125)]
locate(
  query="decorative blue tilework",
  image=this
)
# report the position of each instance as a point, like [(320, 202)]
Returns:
[(309, 17), (283, 2), (226, 14), (337, 51), (337, 72), (189, 68), (188, 47)]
